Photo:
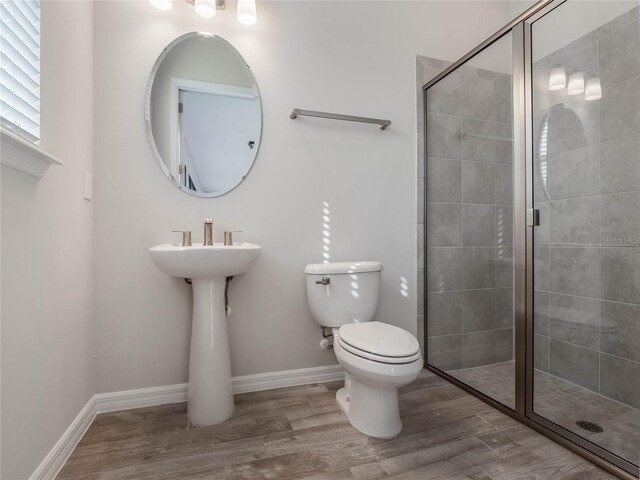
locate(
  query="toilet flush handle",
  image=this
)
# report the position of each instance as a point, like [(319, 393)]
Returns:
[(324, 281)]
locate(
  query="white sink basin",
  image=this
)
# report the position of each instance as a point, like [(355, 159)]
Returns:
[(200, 262), (210, 398)]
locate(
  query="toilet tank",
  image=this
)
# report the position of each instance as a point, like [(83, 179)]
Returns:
[(351, 295)]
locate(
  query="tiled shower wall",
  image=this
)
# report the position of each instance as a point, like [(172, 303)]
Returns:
[(587, 187), (468, 184)]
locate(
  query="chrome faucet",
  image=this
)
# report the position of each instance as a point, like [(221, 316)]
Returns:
[(208, 231)]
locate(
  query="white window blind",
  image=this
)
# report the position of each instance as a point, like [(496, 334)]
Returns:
[(20, 66)]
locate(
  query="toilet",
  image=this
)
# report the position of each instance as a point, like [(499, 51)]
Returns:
[(378, 358)]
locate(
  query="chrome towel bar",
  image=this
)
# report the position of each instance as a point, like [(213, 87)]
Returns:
[(336, 116)]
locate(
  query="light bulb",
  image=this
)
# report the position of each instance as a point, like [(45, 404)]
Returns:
[(164, 5), (557, 79), (576, 84), (593, 91), (205, 8), (247, 12)]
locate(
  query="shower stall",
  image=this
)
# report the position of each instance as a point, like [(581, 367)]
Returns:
[(529, 243)]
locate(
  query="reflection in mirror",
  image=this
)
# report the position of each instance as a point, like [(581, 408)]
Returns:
[(203, 114), (561, 130)]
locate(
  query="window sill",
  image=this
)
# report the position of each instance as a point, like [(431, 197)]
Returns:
[(25, 156)]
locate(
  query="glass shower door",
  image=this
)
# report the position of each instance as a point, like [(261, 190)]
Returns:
[(586, 176), (469, 223)]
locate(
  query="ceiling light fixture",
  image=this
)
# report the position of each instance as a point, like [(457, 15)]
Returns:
[(593, 90), (576, 84), (205, 8), (247, 14), (557, 79), (164, 5)]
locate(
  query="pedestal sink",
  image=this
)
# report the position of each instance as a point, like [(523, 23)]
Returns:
[(210, 395)]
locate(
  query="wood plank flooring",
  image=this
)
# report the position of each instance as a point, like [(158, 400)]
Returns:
[(299, 432)]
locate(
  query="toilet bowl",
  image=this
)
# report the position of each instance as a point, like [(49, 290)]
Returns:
[(378, 358)]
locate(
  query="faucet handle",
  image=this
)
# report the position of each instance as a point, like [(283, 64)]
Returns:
[(228, 237), (186, 237)]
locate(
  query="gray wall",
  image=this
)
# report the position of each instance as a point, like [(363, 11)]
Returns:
[(47, 329), (469, 215), (587, 253)]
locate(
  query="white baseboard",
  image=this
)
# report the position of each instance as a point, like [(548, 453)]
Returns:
[(147, 397), (287, 378), (61, 451), (142, 397)]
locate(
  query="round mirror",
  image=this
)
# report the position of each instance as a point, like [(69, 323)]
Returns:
[(203, 114)]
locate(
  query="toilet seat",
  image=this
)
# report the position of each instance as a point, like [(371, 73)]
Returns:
[(379, 342)]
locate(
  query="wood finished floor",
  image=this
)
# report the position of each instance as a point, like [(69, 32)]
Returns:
[(299, 432)]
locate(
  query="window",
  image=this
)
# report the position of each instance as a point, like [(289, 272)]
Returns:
[(20, 67)]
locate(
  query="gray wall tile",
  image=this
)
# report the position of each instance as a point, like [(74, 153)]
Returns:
[(541, 312), (504, 226), (444, 180), (504, 266), (576, 364), (479, 310), (478, 267), (444, 313), (479, 140), (444, 136), (575, 173), (444, 269), (476, 98), (504, 143), (503, 102), (504, 185), (421, 152), (621, 219), (541, 353), (620, 329), (541, 268), (575, 222), (504, 345), (444, 224), (478, 182), (620, 379), (620, 164), (478, 228), (420, 333), (478, 348), (621, 274), (445, 352), (504, 308), (575, 271), (420, 291), (572, 123), (575, 320), (540, 90), (620, 110), (541, 232), (420, 246), (444, 96), (619, 55)]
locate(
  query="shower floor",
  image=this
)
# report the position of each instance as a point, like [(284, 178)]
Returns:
[(564, 403)]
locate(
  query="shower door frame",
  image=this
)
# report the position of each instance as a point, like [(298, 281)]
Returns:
[(524, 220)]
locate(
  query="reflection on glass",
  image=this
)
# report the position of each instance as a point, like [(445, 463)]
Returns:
[(587, 254), (469, 223)]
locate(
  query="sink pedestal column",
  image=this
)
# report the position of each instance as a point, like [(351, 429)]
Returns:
[(210, 393)]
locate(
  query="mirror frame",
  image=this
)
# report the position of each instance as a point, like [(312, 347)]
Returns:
[(147, 114)]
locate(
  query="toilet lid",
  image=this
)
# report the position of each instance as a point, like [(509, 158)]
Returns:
[(377, 358), (380, 339)]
